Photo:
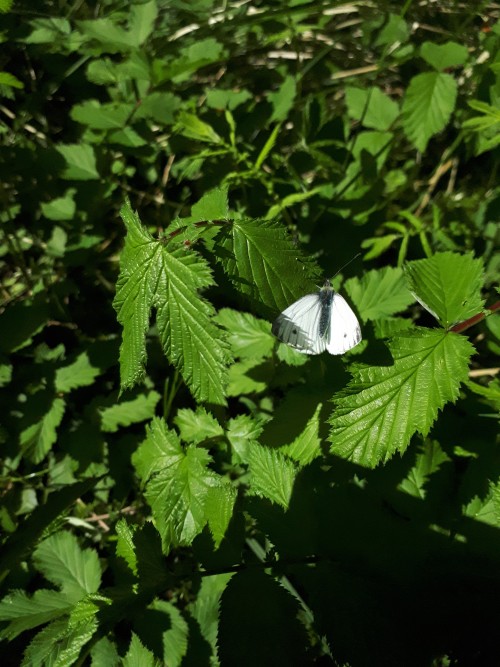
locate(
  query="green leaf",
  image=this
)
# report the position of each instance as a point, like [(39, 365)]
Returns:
[(125, 544), (125, 413), (205, 609), (272, 474), (175, 638), (110, 116), (382, 407), (80, 162), (372, 107), (104, 654), (261, 261), (138, 655), (428, 461), (443, 56), (243, 433), (248, 336), (80, 373), (152, 276), (282, 100), (142, 20), (307, 445), (25, 613), (447, 285), (197, 426), (177, 483), (192, 127), (212, 206), (65, 564), (37, 439), (7, 79), (219, 508), (60, 208), (427, 106), (379, 293)]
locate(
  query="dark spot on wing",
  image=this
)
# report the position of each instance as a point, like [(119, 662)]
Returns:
[(294, 331)]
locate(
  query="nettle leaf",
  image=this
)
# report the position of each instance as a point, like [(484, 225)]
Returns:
[(129, 412), (25, 613), (152, 276), (64, 563), (138, 655), (379, 293), (260, 260), (447, 285), (427, 106), (177, 483), (272, 474), (248, 336), (443, 56), (372, 107), (197, 425), (382, 407), (80, 160), (219, 510)]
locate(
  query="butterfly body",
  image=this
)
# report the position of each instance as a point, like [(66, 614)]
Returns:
[(319, 322)]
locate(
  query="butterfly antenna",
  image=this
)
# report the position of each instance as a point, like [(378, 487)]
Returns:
[(347, 264)]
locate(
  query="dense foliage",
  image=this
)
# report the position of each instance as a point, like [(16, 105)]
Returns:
[(178, 487)]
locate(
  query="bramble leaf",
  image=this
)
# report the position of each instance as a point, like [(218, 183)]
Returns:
[(382, 407), (379, 293), (153, 277), (272, 474), (447, 285)]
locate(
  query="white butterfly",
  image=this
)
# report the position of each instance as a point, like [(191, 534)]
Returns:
[(319, 322)]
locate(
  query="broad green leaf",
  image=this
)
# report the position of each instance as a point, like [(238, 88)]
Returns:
[(197, 425), (379, 293), (243, 433), (80, 373), (124, 413), (394, 29), (262, 263), (282, 100), (125, 544), (48, 30), (272, 474), (248, 336), (177, 483), (104, 654), (227, 99), (427, 106), (60, 208), (110, 116), (205, 609), (443, 56), (428, 461), (37, 439), (175, 638), (383, 407), (372, 107), (159, 106), (219, 509), (249, 376), (192, 127), (25, 612), (306, 446), (65, 564), (111, 36), (138, 655), (142, 20), (376, 144), (212, 206), (80, 162), (153, 277), (448, 285)]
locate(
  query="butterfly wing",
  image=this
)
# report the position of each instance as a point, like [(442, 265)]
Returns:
[(298, 325), (344, 331)]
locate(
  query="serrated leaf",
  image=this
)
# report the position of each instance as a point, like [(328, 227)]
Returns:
[(428, 461), (427, 106), (26, 612), (212, 206), (197, 426), (443, 56), (152, 276), (243, 432), (125, 544), (306, 446), (104, 654), (219, 510), (59, 644), (372, 107), (272, 474), (177, 482), (262, 263), (175, 638), (110, 116), (65, 564), (192, 127), (129, 412), (282, 100), (80, 373), (382, 407), (80, 160), (379, 293), (205, 608), (248, 336), (37, 439), (447, 285), (142, 20), (138, 655)]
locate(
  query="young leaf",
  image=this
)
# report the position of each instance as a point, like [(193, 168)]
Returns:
[(379, 293), (177, 483), (443, 56), (65, 564), (382, 407), (306, 446), (138, 655), (25, 613), (272, 474), (261, 261), (248, 336), (37, 439), (243, 434), (447, 285), (152, 276), (427, 106), (196, 426), (219, 510)]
